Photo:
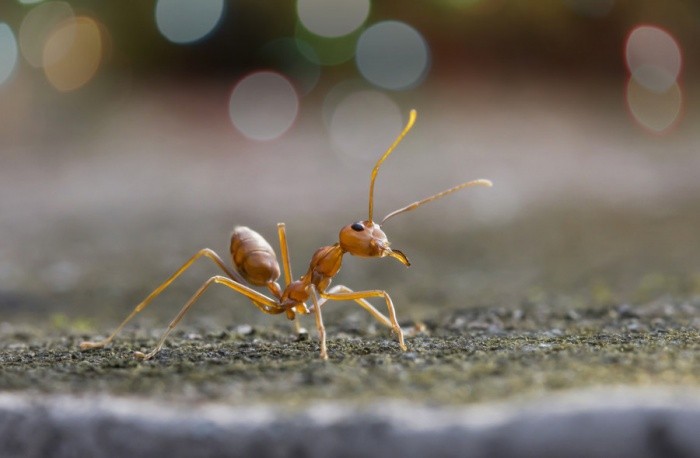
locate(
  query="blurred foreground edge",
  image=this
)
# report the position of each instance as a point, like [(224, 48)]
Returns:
[(602, 422)]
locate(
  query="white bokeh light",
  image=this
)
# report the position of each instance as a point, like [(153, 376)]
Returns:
[(363, 125), (656, 112), (392, 55), (653, 57), (8, 52), (337, 94), (263, 105), (36, 27), (188, 21), (332, 18)]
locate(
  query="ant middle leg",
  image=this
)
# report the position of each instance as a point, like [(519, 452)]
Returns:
[(287, 268)]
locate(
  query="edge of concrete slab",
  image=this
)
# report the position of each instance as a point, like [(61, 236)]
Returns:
[(600, 422)]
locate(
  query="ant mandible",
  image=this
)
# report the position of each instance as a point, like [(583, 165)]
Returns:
[(256, 264)]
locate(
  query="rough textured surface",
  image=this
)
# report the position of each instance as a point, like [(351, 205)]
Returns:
[(470, 356)]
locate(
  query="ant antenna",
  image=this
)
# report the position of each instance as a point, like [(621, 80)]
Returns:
[(414, 205), (409, 125)]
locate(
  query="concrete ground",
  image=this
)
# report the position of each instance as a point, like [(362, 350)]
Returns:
[(554, 314)]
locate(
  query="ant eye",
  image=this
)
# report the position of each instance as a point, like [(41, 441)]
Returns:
[(357, 227)]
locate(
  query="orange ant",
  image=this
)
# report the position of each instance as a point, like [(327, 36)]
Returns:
[(256, 264)]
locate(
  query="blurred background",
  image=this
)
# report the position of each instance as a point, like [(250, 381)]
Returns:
[(134, 133)]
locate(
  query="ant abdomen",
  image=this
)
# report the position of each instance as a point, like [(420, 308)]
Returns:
[(253, 257)]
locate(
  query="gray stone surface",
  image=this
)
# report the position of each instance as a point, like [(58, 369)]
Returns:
[(612, 422)]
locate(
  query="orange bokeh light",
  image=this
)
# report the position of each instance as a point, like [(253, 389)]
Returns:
[(72, 53)]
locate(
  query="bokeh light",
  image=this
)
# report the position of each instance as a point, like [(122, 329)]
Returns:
[(285, 55), (8, 52), (654, 111), (392, 55), (263, 105), (29, 2), (72, 53), (323, 50), (363, 125), (337, 94), (653, 58), (36, 27), (188, 21), (332, 18)]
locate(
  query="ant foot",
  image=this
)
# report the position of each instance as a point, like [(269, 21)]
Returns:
[(90, 345), (142, 356)]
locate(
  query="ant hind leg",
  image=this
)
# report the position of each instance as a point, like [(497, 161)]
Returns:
[(206, 252), (264, 303)]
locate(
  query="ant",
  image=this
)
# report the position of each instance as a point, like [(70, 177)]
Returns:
[(256, 264)]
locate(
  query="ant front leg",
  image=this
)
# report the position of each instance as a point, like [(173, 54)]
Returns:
[(376, 314), (319, 321), (358, 296)]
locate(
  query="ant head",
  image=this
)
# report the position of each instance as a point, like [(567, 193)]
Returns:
[(366, 239)]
